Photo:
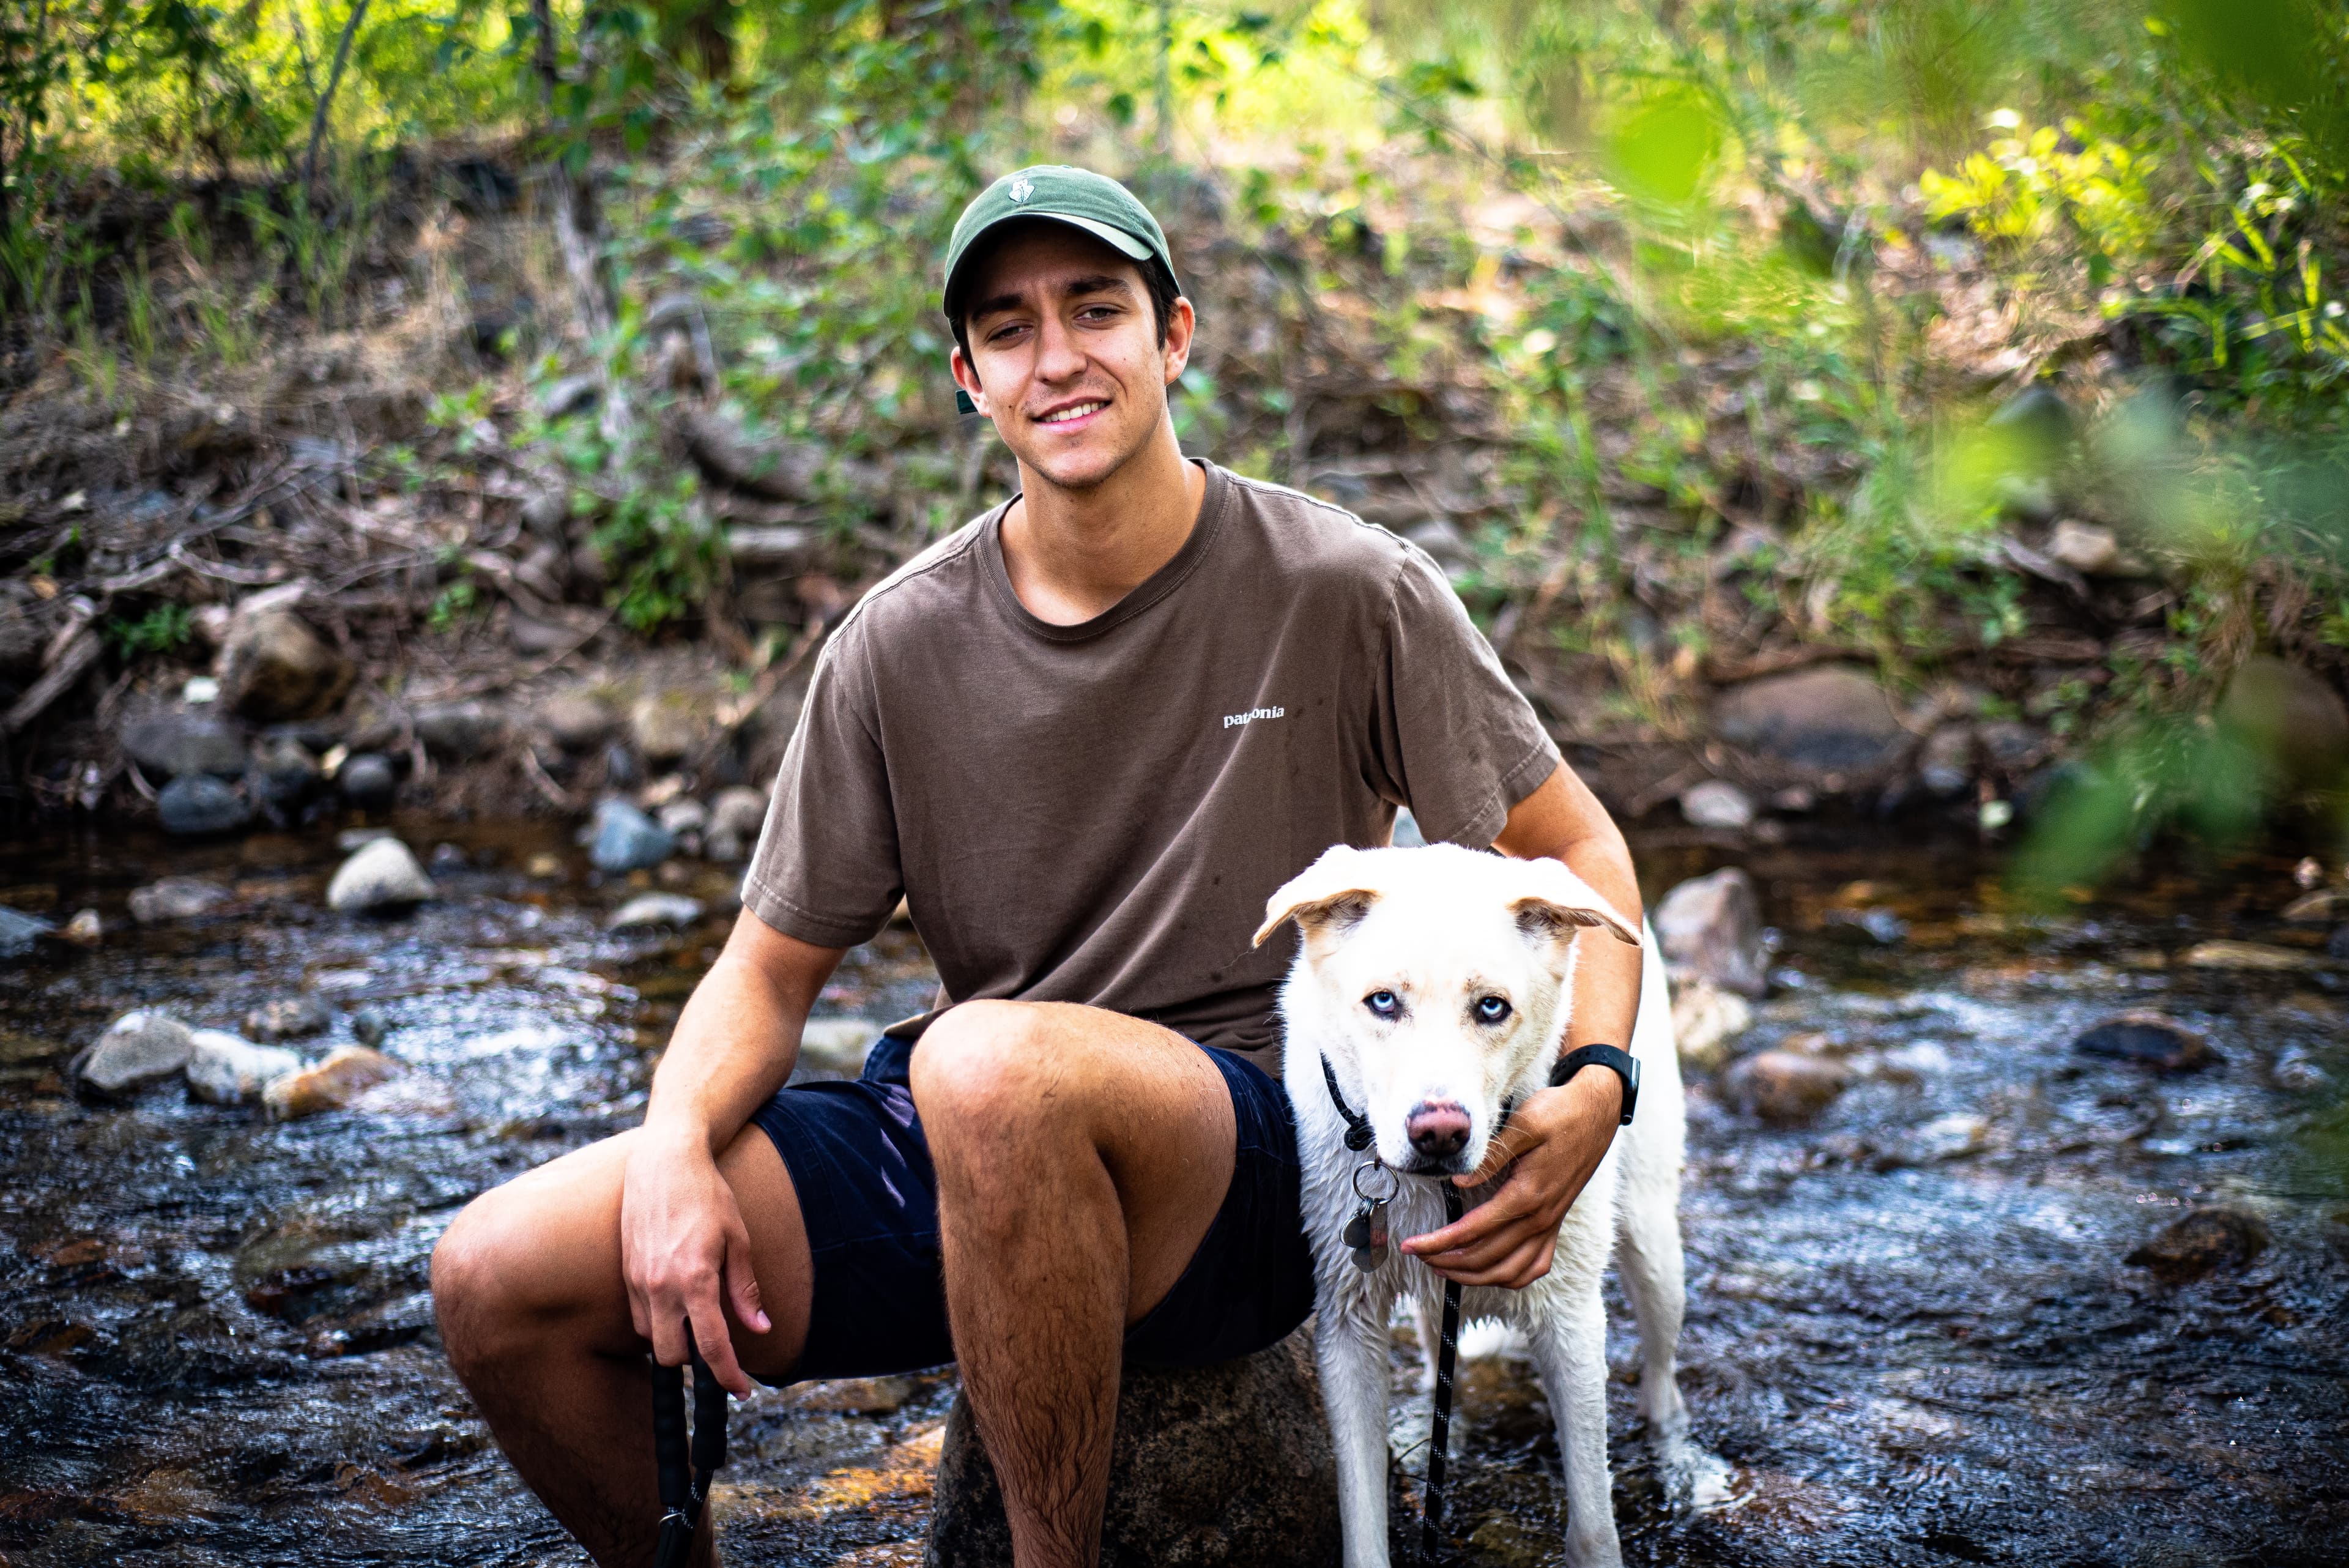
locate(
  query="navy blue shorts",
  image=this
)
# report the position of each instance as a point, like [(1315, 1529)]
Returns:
[(866, 1189)]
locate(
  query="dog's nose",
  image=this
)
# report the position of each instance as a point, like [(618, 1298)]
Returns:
[(1438, 1129)]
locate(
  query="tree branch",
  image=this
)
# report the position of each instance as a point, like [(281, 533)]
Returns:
[(327, 98)]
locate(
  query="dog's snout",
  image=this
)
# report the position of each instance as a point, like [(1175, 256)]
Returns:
[(1438, 1129)]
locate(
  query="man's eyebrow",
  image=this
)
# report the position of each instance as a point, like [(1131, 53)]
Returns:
[(1077, 287)]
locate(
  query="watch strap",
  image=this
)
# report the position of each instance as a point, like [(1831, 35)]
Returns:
[(1614, 1058)]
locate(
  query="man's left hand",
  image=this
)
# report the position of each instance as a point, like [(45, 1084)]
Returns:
[(1541, 1159)]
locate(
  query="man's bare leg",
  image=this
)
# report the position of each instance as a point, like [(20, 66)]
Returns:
[(1081, 1155), (535, 1314)]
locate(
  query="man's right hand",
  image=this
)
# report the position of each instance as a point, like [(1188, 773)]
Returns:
[(685, 1253)]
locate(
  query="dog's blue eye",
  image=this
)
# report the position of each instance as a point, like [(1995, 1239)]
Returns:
[(1491, 1009), (1385, 1003)]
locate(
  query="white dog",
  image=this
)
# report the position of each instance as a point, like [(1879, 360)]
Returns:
[(1439, 981)]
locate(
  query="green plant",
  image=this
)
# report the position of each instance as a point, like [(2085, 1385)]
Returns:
[(661, 555), (165, 629)]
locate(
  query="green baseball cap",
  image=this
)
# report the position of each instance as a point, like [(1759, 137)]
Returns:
[(1057, 193)]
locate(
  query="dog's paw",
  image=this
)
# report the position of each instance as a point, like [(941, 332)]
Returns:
[(1695, 1478)]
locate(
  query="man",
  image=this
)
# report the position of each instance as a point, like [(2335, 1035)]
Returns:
[(1085, 737)]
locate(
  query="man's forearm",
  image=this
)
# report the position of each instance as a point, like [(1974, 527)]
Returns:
[(1563, 821), (738, 1036)]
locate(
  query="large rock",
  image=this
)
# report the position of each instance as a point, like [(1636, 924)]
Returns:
[(137, 1049), (1710, 929), (740, 811), (1786, 1086), (177, 898), (459, 732), (169, 742), (21, 932), (228, 1071), (1830, 718), (626, 839), (274, 667), (1224, 1465), (2200, 1241), (2290, 716), (329, 1085), (2149, 1039), (195, 804), (383, 874)]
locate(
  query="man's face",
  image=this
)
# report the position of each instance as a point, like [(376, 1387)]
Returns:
[(1064, 355)]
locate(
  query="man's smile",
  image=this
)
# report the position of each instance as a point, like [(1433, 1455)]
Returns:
[(1074, 413)]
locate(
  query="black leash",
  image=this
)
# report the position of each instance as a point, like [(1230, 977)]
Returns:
[(1439, 1444), (685, 1467)]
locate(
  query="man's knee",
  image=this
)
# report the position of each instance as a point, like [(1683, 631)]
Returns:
[(989, 1074), (493, 1289)]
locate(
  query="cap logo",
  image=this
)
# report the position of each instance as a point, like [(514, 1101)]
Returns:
[(1022, 189)]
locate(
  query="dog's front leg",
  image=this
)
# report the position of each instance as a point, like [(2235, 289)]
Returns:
[(1350, 1343), (1569, 1344)]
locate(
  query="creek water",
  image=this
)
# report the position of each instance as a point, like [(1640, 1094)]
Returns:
[(1913, 1333)]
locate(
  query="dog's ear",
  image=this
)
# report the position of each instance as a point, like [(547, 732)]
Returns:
[(1556, 901), (1333, 891)]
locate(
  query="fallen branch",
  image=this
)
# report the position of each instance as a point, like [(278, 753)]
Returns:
[(71, 663)]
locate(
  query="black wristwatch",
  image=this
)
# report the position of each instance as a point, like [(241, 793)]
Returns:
[(1620, 1062)]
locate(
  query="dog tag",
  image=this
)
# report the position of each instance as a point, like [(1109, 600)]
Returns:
[(1366, 1234)]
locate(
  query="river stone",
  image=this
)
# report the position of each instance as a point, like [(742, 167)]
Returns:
[(1717, 803), (177, 898), (684, 816), (383, 874), (458, 731), (626, 839), (369, 1026), (368, 782), (1786, 1086), (2149, 1039), (577, 720), (137, 1049), (85, 929), (194, 805), (1228, 1464), (663, 728), (740, 811), (649, 910), (175, 740), (1831, 718), (1705, 1019), (229, 1071), (289, 1018), (1710, 929), (342, 1077), (2201, 1240), (2292, 717), (274, 667), (1875, 926), (837, 1044), (282, 777), (21, 932)]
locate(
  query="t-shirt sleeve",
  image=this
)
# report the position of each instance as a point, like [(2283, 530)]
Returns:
[(1455, 740), (826, 868)]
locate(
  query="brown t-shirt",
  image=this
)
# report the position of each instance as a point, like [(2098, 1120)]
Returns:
[(1097, 813)]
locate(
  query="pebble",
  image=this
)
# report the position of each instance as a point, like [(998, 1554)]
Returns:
[(1785, 1086), (20, 932), (289, 1018), (197, 804), (649, 910), (1952, 1137), (447, 858), (369, 1026), (626, 839), (544, 866), (2149, 1039), (177, 898), (85, 929), (1946, 764), (1914, 1063), (1705, 1019), (368, 782), (137, 1049), (226, 1069), (1717, 803), (329, 1085), (383, 874), (2200, 1241), (837, 1044)]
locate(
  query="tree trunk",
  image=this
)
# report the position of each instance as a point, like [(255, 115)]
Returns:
[(699, 34), (327, 98), (575, 236)]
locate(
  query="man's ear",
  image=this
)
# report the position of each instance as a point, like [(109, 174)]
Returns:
[(965, 378), (1335, 889), (1555, 902)]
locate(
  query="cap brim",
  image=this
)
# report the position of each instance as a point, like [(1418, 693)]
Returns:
[(1117, 239)]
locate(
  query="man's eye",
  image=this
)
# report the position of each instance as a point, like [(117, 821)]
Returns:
[(1385, 1003), (1491, 1009)]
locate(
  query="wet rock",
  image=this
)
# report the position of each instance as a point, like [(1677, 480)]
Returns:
[(2202, 1241), (289, 1018), (1957, 1135), (663, 728), (1710, 929), (1829, 717), (459, 732), (175, 740), (2291, 716), (2149, 1039), (1914, 1063), (342, 1077), (1222, 1464), (20, 932), (2296, 1070), (228, 1071), (368, 782), (1705, 1019), (1783, 1086), (283, 778), (2246, 955), (1877, 927), (837, 1044), (1946, 765), (447, 858), (626, 839), (1717, 803), (137, 1049), (383, 874), (856, 1395), (274, 667), (177, 898), (577, 720), (2083, 546), (369, 1026), (195, 804), (85, 929), (647, 910)]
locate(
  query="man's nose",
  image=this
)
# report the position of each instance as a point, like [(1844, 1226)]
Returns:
[(1059, 354), (1438, 1129)]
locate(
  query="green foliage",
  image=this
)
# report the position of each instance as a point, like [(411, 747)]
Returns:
[(660, 552), (166, 629)]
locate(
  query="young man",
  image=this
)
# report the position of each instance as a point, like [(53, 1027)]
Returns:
[(1085, 737)]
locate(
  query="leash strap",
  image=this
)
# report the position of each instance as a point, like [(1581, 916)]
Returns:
[(1358, 1126), (685, 1466), (1439, 1444)]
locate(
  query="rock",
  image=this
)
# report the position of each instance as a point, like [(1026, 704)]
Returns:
[(383, 874), (1783, 1086), (2296, 1070), (571, 395), (1717, 803), (1831, 717), (283, 778), (1914, 1063), (369, 1026), (1226, 1464), (1952, 1137), (2290, 716), (289, 1018), (738, 811), (447, 858), (1878, 927), (543, 866), (85, 929), (174, 741), (545, 512), (20, 932), (2314, 908), (649, 910), (368, 782), (2246, 955), (274, 667), (1710, 929), (459, 732), (330, 1085), (1705, 1019), (577, 721), (1946, 765), (2203, 1240), (619, 765), (663, 728), (626, 839), (2083, 546), (856, 1395), (837, 1044), (177, 898), (194, 805), (684, 816), (2148, 1039), (137, 1049), (229, 1071)]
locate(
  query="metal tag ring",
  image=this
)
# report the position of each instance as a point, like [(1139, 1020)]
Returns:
[(1395, 1182)]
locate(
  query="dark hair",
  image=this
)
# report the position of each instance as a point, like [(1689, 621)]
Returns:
[(1157, 281)]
